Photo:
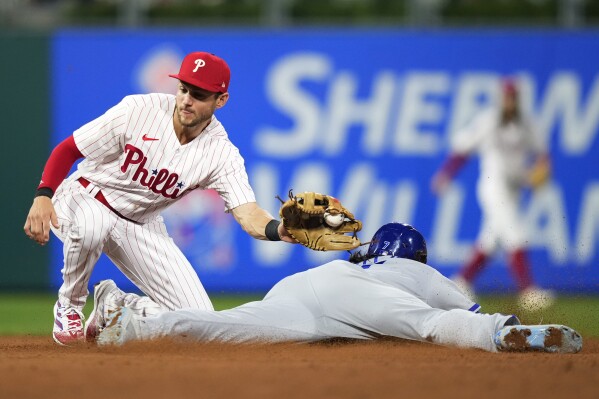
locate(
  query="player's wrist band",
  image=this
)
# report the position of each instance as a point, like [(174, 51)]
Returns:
[(272, 230), (44, 192)]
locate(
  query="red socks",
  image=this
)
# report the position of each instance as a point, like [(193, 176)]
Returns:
[(521, 268), (474, 265), (518, 261)]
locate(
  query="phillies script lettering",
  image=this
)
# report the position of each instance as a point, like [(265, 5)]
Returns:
[(159, 183)]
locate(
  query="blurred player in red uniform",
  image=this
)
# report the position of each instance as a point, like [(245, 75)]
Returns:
[(507, 146)]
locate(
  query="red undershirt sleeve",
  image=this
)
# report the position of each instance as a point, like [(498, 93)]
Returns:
[(453, 164), (59, 164)]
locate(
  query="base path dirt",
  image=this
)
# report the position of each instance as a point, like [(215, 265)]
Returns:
[(35, 367)]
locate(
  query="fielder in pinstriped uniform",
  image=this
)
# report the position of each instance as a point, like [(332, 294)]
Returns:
[(141, 156), (505, 142)]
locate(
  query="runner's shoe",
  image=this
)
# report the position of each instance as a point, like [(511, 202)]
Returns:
[(121, 326), (97, 318), (552, 338)]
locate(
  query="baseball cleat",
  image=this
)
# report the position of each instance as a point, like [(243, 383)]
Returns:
[(534, 299), (512, 321), (552, 338), (68, 325), (121, 326), (97, 318)]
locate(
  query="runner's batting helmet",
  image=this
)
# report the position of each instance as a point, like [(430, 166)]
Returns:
[(398, 240)]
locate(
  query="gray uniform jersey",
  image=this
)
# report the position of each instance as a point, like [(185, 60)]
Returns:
[(422, 281), (383, 297)]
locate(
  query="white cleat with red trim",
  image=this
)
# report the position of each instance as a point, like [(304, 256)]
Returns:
[(68, 325)]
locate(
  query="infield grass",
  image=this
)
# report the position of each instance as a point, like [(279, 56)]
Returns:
[(31, 314)]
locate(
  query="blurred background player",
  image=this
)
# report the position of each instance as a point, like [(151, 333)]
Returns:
[(387, 292), (140, 157), (507, 146)]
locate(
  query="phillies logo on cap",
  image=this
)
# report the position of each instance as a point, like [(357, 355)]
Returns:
[(199, 63), (206, 71)]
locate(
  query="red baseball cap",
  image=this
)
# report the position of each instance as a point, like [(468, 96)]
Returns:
[(206, 71), (509, 86)]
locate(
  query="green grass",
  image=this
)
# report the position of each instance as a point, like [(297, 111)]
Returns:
[(580, 312), (31, 314)]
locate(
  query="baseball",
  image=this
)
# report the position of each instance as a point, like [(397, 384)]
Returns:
[(334, 220)]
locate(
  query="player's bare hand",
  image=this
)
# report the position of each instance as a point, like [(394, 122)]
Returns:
[(41, 214), (284, 234)]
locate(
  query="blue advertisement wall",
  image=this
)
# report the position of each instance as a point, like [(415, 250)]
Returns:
[(365, 115)]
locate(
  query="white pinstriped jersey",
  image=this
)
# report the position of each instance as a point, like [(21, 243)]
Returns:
[(134, 157), (504, 150), (505, 153)]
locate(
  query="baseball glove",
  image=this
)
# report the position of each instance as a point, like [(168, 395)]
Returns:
[(539, 173), (320, 222)]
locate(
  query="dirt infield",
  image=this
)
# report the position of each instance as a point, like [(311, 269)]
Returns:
[(34, 367)]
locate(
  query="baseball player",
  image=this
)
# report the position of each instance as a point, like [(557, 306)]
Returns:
[(506, 144), (141, 156), (389, 291)]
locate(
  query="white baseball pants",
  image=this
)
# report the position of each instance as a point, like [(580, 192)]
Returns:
[(501, 221), (144, 253)]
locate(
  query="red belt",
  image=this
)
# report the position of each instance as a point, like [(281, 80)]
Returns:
[(100, 197)]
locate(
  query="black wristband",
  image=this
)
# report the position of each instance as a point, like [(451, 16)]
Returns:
[(44, 192), (272, 230)]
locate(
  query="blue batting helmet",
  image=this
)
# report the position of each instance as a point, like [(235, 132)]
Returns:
[(400, 241)]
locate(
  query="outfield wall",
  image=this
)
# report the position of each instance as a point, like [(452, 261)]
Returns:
[(364, 115), (25, 113)]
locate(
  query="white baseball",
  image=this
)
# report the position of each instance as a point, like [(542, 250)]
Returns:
[(334, 220)]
